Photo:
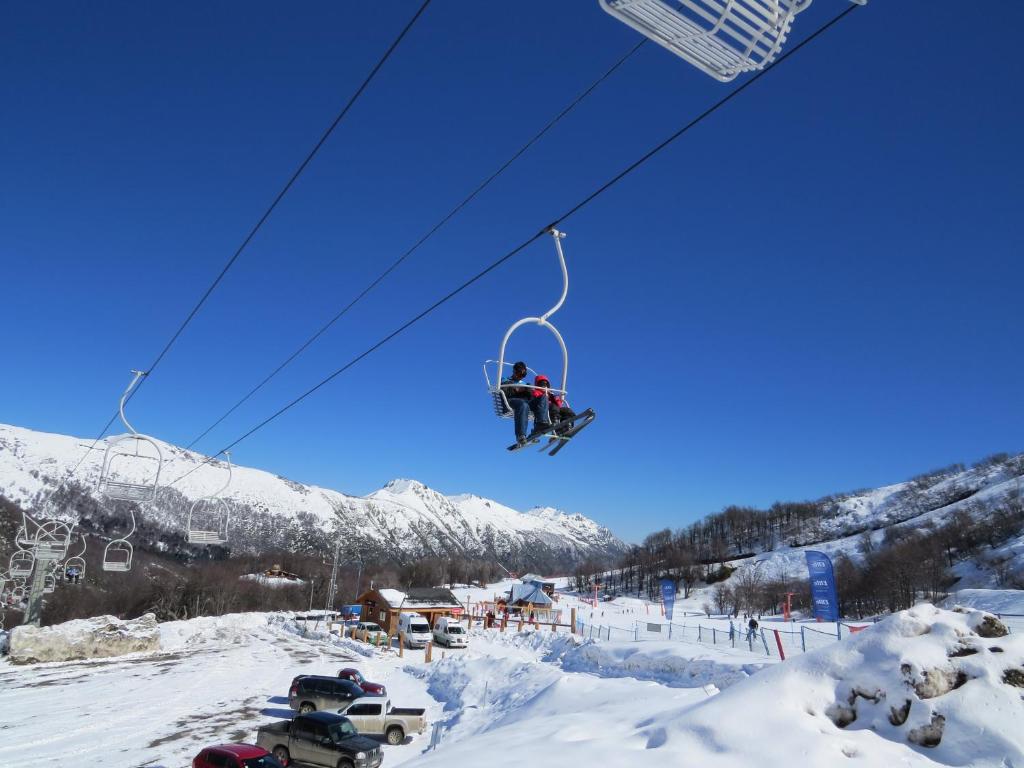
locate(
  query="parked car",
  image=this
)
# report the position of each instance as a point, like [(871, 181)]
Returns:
[(374, 714), (320, 739), (370, 689), (312, 692), (235, 756), (450, 632), (415, 628), (375, 633)]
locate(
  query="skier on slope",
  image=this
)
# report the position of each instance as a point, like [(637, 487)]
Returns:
[(523, 399)]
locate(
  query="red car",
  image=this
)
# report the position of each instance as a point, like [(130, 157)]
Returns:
[(370, 689), (235, 756)]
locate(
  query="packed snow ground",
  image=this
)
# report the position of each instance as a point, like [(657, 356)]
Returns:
[(543, 698)]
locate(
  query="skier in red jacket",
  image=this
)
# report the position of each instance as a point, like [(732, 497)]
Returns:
[(560, 413)]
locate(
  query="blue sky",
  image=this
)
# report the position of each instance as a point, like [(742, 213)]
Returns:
[(816, 290)]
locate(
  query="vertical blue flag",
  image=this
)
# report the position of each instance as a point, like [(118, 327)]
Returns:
[(668, 596), (823, 586)]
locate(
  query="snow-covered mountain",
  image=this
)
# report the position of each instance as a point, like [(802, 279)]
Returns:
[(403, 520)]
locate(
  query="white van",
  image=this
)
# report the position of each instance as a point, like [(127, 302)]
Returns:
[(449, 631), (415, 628)]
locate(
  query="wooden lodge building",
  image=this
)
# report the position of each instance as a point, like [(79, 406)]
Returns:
[(382, 606)]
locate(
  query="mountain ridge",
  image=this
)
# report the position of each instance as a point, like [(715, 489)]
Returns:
[(403, 520)]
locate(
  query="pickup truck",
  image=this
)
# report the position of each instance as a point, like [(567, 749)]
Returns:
[(374, 714), (320, 739)]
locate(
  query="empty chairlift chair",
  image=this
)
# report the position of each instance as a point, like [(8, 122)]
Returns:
[(117, 555), (131, 462), (21, 563), (208, 517), (722, 38)]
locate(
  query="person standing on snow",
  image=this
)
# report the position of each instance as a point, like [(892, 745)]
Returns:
[(751, 628), (523, 399)]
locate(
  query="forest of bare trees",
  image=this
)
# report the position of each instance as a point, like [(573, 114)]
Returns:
[(909, 563)]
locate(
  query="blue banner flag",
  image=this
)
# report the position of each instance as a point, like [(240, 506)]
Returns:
[(668, 596), (823, 586)]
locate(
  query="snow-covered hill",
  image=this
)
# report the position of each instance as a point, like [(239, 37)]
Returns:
[(403, 520)]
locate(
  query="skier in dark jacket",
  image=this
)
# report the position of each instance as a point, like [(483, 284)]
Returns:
[(751, 628), (523, 399), (561, 414)]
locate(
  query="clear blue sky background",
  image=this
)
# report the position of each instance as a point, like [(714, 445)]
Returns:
[(816, 290)]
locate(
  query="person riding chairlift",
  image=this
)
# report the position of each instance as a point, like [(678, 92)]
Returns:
[(524, 399), (561, 414)]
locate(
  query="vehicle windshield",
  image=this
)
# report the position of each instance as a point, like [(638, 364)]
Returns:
[(356, 678), (371, 627), (267, 761), (342, 730), (455, 630), (419, 628)]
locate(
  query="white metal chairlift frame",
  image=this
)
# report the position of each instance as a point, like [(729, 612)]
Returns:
[(502, 408), (722, 38), (221, 511), (121, 490), (111, 561), (76, 561)]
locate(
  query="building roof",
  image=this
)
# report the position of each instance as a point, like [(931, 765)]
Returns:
[(526, 578), (420, 597), (529, 593)]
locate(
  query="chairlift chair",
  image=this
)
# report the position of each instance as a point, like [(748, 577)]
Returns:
[(722, 38), (49, 584), (130, 450), (117, 556), (21, 564), (497, 390), (52, 540), (499, 399), (208, 517), (75, 562)]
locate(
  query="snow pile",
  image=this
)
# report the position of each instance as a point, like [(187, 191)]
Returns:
[(96, 638), (924, 687), (234, 628), (324, 635), (669, 663), (994, 600), (923, 682)]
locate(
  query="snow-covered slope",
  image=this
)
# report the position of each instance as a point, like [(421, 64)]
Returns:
[(405, 519)]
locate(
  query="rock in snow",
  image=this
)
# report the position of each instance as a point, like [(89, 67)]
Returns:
[(96, 638)]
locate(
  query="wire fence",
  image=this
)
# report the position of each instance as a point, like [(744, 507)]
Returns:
[(764, 641), (775, 642)]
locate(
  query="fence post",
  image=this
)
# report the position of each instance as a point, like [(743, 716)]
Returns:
[(401, 645), (572, 613), (803, 642), (699, 640), (427, 654), (778, 642), (670, 629), (714, 636)]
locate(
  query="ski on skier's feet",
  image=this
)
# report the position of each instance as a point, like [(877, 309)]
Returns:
[(566, 438), (581, 419)]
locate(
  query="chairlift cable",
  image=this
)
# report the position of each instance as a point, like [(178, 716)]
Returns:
[(571, 211), (252, 233), (430, 233), (284, 190)]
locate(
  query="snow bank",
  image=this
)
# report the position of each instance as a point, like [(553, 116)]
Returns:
[(924, 687), (96, 638), (665, 662), (230, 628), (994, 600), (923, 682)]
